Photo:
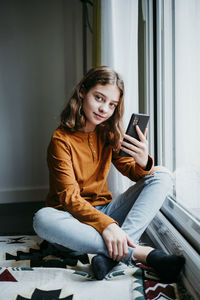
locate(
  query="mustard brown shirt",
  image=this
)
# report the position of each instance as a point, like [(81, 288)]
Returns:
[(79, 164)]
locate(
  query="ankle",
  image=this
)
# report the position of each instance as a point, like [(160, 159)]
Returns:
[(141, 253)]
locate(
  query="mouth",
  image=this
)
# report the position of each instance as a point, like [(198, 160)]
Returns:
[(99, 116)]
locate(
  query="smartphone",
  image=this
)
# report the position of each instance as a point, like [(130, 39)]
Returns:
[(136, 119)]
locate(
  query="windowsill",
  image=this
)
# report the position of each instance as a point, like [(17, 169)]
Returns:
[(187, 224), (165, 236)]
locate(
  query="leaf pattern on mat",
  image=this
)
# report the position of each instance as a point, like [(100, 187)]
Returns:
[(45, 295)]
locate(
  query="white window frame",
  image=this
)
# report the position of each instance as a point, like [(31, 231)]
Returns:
[(186, 223), (173, 229)]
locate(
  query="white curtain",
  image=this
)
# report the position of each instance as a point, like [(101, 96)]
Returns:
[(119, 34), (187, 100)]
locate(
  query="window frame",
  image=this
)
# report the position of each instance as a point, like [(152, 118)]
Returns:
[(159, 84), (166, 136)]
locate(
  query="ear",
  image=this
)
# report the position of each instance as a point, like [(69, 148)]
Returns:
[(81, 93)]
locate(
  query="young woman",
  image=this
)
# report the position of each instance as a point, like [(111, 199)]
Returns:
[(80, 212)]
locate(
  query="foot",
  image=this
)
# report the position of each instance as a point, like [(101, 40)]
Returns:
[(167, 266), (102, 265)]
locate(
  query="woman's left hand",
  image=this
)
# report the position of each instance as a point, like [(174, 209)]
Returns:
[(137, 149)]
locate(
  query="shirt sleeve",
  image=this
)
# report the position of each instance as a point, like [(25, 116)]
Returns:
[(128, 167), (65, 185)]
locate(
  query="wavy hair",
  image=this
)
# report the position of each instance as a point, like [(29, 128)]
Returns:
[(72, 116)]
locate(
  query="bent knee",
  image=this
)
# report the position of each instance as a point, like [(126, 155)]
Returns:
[(160, 169), (43, 213), (163, 175), (42, 216)]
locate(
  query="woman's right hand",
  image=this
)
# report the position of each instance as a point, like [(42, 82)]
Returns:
[(117, 241)]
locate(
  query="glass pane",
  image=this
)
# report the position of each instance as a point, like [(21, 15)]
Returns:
[(187, 104)]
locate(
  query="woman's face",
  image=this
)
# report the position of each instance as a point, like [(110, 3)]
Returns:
[(99, 104)]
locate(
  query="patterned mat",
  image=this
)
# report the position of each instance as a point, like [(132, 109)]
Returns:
[(29, 269)]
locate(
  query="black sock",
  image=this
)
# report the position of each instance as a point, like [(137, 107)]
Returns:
[(101, 265), (167, 266)]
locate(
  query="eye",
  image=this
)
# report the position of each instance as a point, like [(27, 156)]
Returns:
[(99, 98), (113, 105)]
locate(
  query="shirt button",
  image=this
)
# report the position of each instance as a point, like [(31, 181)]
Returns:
[(90, 144), (94, 151)]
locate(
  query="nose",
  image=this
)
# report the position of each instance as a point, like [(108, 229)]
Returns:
[(103, 108)]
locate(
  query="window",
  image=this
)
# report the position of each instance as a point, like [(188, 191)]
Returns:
[(187, 105), (172, 81), (178, 110)]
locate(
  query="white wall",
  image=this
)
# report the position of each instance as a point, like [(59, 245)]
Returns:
[(40, 62)]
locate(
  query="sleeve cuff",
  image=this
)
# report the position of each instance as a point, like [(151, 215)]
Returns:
[(148, 168), (149, 165), (100, 226)]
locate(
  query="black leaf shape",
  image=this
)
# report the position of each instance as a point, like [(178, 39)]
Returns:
[(45, 295), (16, 240)]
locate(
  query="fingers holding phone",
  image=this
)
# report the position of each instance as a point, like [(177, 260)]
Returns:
[(138, 149), (135, 143)]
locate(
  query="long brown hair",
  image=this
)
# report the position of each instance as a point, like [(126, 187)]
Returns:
[(72, 116)]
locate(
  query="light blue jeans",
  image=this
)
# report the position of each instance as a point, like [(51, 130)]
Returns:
[(133, 210)]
